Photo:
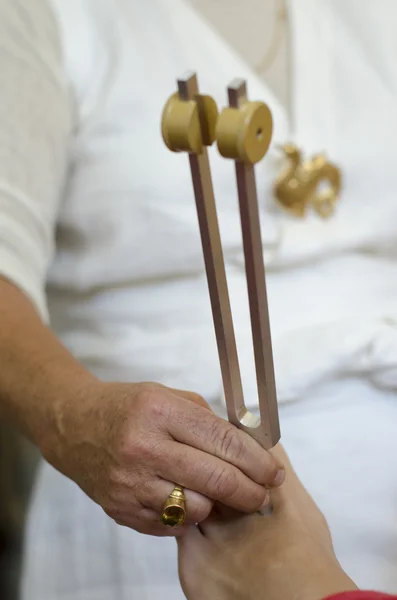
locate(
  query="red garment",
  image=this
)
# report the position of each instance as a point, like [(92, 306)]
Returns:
[(361, 596)]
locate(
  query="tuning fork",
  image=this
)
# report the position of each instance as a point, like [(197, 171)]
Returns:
[(243, 131)]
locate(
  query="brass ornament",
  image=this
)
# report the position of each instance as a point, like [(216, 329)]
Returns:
[(313, 183)]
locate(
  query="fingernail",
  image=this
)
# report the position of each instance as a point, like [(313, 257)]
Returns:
[(266, 501), (279, 479)]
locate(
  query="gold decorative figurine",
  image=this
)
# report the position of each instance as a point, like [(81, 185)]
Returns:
[(314, 183)]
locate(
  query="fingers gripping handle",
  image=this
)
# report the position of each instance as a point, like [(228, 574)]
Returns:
[(243, 132)]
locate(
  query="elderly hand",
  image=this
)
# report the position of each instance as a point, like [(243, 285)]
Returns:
[(127, 445)]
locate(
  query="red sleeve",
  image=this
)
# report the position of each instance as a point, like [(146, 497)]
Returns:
[(362, 596)]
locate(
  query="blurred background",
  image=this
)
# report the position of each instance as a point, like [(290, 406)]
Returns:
[(18, 461)]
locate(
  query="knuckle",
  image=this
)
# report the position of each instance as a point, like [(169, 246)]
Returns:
[(200, 513), (113, 501), (113, 513), (271, 471), (150, 451), (119, 510), (115, 478), (130, 447), (228, 442), (145, 393), (268, 471), (197, 399), (120, 523), (124, 489), (143, 515), (222, 484), (159, 410), (154, 403), (257, 499), (142, 453)]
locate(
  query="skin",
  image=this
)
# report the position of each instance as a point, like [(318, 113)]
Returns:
[(124, 444), (284, 555)]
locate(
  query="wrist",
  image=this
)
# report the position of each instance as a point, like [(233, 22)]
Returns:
[(326, 583), (38, 374), (65, 407)]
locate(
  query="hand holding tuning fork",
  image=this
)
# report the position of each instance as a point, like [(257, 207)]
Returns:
[(243, 133)]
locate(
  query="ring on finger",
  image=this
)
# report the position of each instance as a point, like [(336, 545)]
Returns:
[(174, 508)]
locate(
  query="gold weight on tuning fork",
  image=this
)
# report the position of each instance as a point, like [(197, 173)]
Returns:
[(243, 133)]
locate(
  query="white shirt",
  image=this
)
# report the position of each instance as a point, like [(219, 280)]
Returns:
[(126, 287), (35, 124)]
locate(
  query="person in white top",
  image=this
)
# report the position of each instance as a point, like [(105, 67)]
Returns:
[(99, 239)]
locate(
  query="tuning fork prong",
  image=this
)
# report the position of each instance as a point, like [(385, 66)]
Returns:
[(252, 132), (173, 123)]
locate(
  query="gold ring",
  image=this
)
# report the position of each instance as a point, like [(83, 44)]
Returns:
[(174, 508)]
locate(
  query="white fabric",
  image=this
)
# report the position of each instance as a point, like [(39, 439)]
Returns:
[(127, 292), (35, 124), (136, 228), (258, 30), (135, 241)]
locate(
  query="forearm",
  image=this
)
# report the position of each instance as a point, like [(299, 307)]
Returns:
[(358, 595), (37, 373)]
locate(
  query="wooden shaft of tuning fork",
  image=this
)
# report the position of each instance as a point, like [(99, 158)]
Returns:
[(215, 267), (256, 282)]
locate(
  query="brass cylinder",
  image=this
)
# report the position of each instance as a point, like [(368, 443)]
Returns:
[(174, 508), (180, 126), (245, 133), (189, 125)]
